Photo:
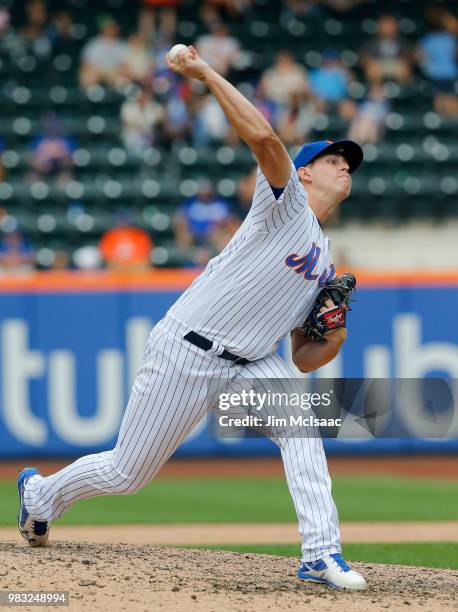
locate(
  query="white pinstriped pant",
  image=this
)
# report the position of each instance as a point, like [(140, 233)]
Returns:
[(169, 397)]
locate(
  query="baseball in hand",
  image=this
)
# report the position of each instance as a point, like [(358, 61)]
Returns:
[(175, 50)]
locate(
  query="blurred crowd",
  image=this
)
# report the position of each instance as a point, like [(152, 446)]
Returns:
[(161, 109)]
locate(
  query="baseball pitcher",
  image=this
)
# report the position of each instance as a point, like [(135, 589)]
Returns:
[(275, 277)]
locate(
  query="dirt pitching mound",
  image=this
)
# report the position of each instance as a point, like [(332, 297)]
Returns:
[(126, 577)]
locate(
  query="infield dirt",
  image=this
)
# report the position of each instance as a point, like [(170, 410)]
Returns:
[(147, 578)]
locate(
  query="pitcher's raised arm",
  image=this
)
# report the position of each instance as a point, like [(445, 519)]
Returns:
[(250, 124)]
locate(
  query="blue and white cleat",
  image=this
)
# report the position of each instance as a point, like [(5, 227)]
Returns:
[(34, 532), (333, 571)]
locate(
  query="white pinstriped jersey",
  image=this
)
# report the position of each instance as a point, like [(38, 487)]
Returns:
[(265, 281)]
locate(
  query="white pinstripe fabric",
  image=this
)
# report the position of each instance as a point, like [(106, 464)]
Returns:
[(168, 399)]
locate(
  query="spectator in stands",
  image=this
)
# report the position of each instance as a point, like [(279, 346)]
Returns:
[(218, 48), (209, 123), (438, 52), (36, 17), (60, 34), (141, 118), (125, 247), (52, 151), (16, 253), (103, 56), (329, 84), (388, 55), (177, 125), (33, 35), (137, 64), (296, 120), (146, 26), (368, 124), (284, 78), (199, 223)]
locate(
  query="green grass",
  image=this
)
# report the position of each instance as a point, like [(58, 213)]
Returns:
[(426, 554), (359, 498)]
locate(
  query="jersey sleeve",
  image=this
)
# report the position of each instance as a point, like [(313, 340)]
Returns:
[(267, 213)]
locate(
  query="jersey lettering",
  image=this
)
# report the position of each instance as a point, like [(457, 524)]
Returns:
[(305, 264)]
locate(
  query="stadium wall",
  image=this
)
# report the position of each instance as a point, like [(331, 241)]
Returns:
[(71, 344)]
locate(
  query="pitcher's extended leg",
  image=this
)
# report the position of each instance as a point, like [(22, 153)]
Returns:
[(168, 399)]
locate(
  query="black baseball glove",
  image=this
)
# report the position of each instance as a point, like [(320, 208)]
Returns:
[(339, 290)]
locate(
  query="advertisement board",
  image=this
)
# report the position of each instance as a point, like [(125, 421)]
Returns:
[(69, 353)]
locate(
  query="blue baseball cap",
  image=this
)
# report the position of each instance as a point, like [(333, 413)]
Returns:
[(349, 149)]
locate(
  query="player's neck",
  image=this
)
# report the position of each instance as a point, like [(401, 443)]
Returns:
[(322, 207)]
